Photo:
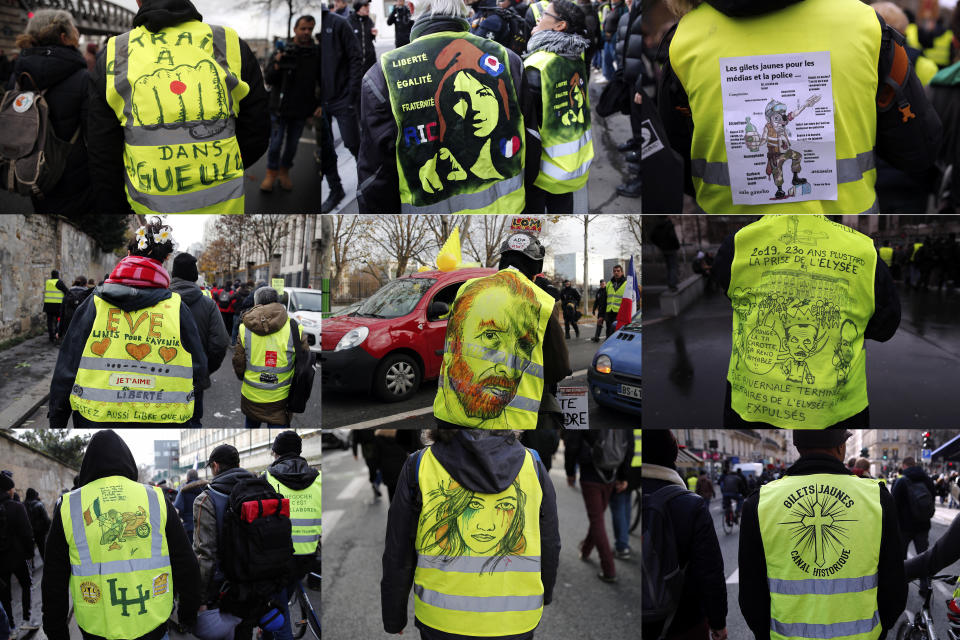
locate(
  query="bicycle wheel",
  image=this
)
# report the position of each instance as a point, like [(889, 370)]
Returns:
[(636, 511), (726, 523), (298, 614), (908, 631)]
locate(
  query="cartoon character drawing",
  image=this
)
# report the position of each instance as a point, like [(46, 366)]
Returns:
[(575, 102), (466, 523), (116, 527), (779, 147), (742, 301), (805, 236), (843, 352), (472, 108), (193, 97)]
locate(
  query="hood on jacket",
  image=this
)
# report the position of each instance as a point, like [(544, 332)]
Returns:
[(743, 8), (429, 23), (265, 318), (107, 455), (293, 471), (481, 461), (31, 495), (224, 482), (160, 14), (194, 487), (49, 65), (915, 473), (559, 42), (189, 291), (130, 298)]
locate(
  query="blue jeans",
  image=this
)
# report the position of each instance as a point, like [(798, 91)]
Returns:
[(609, 55), (236, 328), (249, 423), (620, 510), (285, 133)]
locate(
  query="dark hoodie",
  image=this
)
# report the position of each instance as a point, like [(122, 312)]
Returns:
[(294, 472), (909, 525), (213, 333), (68, 360), (107, 455), (481, 461), (105, 134)]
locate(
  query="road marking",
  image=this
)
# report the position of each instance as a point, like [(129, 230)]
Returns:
[(733, 579), (330, 519), (351, 490)]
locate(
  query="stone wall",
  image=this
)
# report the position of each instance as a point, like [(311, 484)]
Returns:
[(32, 468), (30, 247)]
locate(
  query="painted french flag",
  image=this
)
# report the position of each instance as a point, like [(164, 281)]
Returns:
[(631, 296)]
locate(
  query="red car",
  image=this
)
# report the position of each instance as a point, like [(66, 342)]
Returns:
[(389, 344)]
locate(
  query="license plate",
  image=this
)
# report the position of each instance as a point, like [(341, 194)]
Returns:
[(630, 392)]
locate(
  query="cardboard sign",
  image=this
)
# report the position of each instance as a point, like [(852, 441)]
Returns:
[(574, 404), (277, 283), (530, 225)]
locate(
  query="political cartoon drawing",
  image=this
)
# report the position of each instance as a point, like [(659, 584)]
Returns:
[(777, 138), (117, 527)]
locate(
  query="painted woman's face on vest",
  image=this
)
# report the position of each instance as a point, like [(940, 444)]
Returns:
[(486, 520), (476, 103)]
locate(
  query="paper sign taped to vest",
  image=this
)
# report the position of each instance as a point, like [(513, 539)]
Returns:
[(779, 129)]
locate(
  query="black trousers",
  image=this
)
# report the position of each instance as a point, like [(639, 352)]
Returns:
[(569, 322), (539, 201), (328, 152), (52, 325), (611, 322), (22, 572)]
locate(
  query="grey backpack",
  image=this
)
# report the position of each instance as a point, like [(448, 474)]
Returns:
[(32, 157)]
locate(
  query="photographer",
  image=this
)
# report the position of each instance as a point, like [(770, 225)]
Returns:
[(366, 33), (293, 77), (401, 19)]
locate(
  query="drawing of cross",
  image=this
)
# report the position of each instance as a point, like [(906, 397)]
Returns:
[(817, 522)]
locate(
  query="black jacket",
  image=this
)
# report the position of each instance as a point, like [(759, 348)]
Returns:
[(18, 530), (341, 63), (128, 299), (482, 462), (105, 135), (754, 593), (37, 513), (377, 161), (600, 302), (62, 71), (704, 586), (664, 236), (569, 295), (910, 525), (578, 450), (945, 95), (630, 47), (363, 30), (210, 327), (941, 554), (293, 88), (107, 455), (910, 146), (402, 22)]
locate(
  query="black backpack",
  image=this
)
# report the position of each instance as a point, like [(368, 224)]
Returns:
[(663, 576), (515, 32), (609, 450), (224, 297), (302, 383), (922, 505)]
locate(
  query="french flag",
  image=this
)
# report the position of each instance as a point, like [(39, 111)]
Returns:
[(631, 296)]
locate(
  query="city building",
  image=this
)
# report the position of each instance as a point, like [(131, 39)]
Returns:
[(253, 445), (717, 446), (886, 448), (166, 459)]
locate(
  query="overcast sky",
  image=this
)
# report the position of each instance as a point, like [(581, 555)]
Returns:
[(140, 441)]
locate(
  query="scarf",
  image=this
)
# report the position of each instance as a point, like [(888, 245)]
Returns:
[(559, 42), (656, 472), (138, 271)]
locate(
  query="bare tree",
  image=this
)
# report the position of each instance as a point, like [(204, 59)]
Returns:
[(233, 230), (585, 220), (344, 232), (443, 226), (401, 238), (267, 230), (633, 228), (214, 259), (265, 7), (485, 237)]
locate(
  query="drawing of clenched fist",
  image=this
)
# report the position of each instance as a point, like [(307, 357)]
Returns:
[(170, 98)]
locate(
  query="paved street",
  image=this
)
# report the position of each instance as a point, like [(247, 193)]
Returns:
[(910, 378), (583, 608), (355, 410)]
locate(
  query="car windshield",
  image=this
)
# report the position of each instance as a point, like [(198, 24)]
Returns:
[(306, 300), (395, 299), (634, 324)]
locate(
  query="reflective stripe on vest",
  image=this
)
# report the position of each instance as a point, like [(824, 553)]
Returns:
[(636, 448), (459, 146), (851, 36), (615, 295), (263, 381), (886, 254), (492, 371), (565, 133), (121, 588), (821, 544), (939, 53), (145, 376), (50, 292), (305, 531), (802, 290), (176, 94), (478, 555)]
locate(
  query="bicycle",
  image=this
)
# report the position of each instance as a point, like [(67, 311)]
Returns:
[(729, 518), (636, 510), (302, 613), (919, 625)]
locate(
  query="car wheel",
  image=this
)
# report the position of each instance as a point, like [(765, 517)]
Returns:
[(397, 378)]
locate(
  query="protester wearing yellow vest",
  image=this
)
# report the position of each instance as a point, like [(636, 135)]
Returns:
[(296, 480), (616, 287), (561, 136), (886, 253), (636, 448), (820, 553), (53, 290), (188, 102), (931, 35), (133, 355), (118, 548), (806, 292), (493, 374), (844, 44), (271, 344), (478, 511)]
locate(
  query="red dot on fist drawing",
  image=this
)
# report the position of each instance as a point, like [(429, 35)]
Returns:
[(177, 87)]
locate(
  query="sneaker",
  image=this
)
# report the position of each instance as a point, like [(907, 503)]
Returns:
[(376, 491), (623, 555), (606, 578), (629, 145), (631, 189), (29, 625), (336, 195)]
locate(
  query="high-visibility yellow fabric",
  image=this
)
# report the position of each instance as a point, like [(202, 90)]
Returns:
[(916, 247), (133, 367), (305, 513), (177, 93), (478, 555), (821, 542), (50, 292), (802, 290), (926, 69), (566, 144), (886, 254), (692, 483), (538, 8), (206, 292), (852, 37), (270, 364), (121, 581), (939, 53), (635, 462), (492, 371), (615, 295)]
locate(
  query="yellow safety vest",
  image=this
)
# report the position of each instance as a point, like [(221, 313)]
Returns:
[(492, 371), (886, 254), (692, 483), (939, 53), (538, 8), (636, 448), (206, 292), (50, 292), (305, 514), (133, 367), (478, 555), (926, 69), (121, 582), (566, 144), (177, 93), (852, 38), (916, 247), (821, 543), (270, 363), (802, 293), (615, 295)]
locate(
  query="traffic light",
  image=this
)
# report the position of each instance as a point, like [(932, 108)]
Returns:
[(884, 454), (927, 441)]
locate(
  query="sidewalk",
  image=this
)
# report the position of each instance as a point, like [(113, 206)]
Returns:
[(945, 516), (25, 374)]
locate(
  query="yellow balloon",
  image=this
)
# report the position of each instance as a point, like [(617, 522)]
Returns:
[(446, 262)]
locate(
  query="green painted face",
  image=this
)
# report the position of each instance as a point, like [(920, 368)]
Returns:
[(476, 103), (486, 520)]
